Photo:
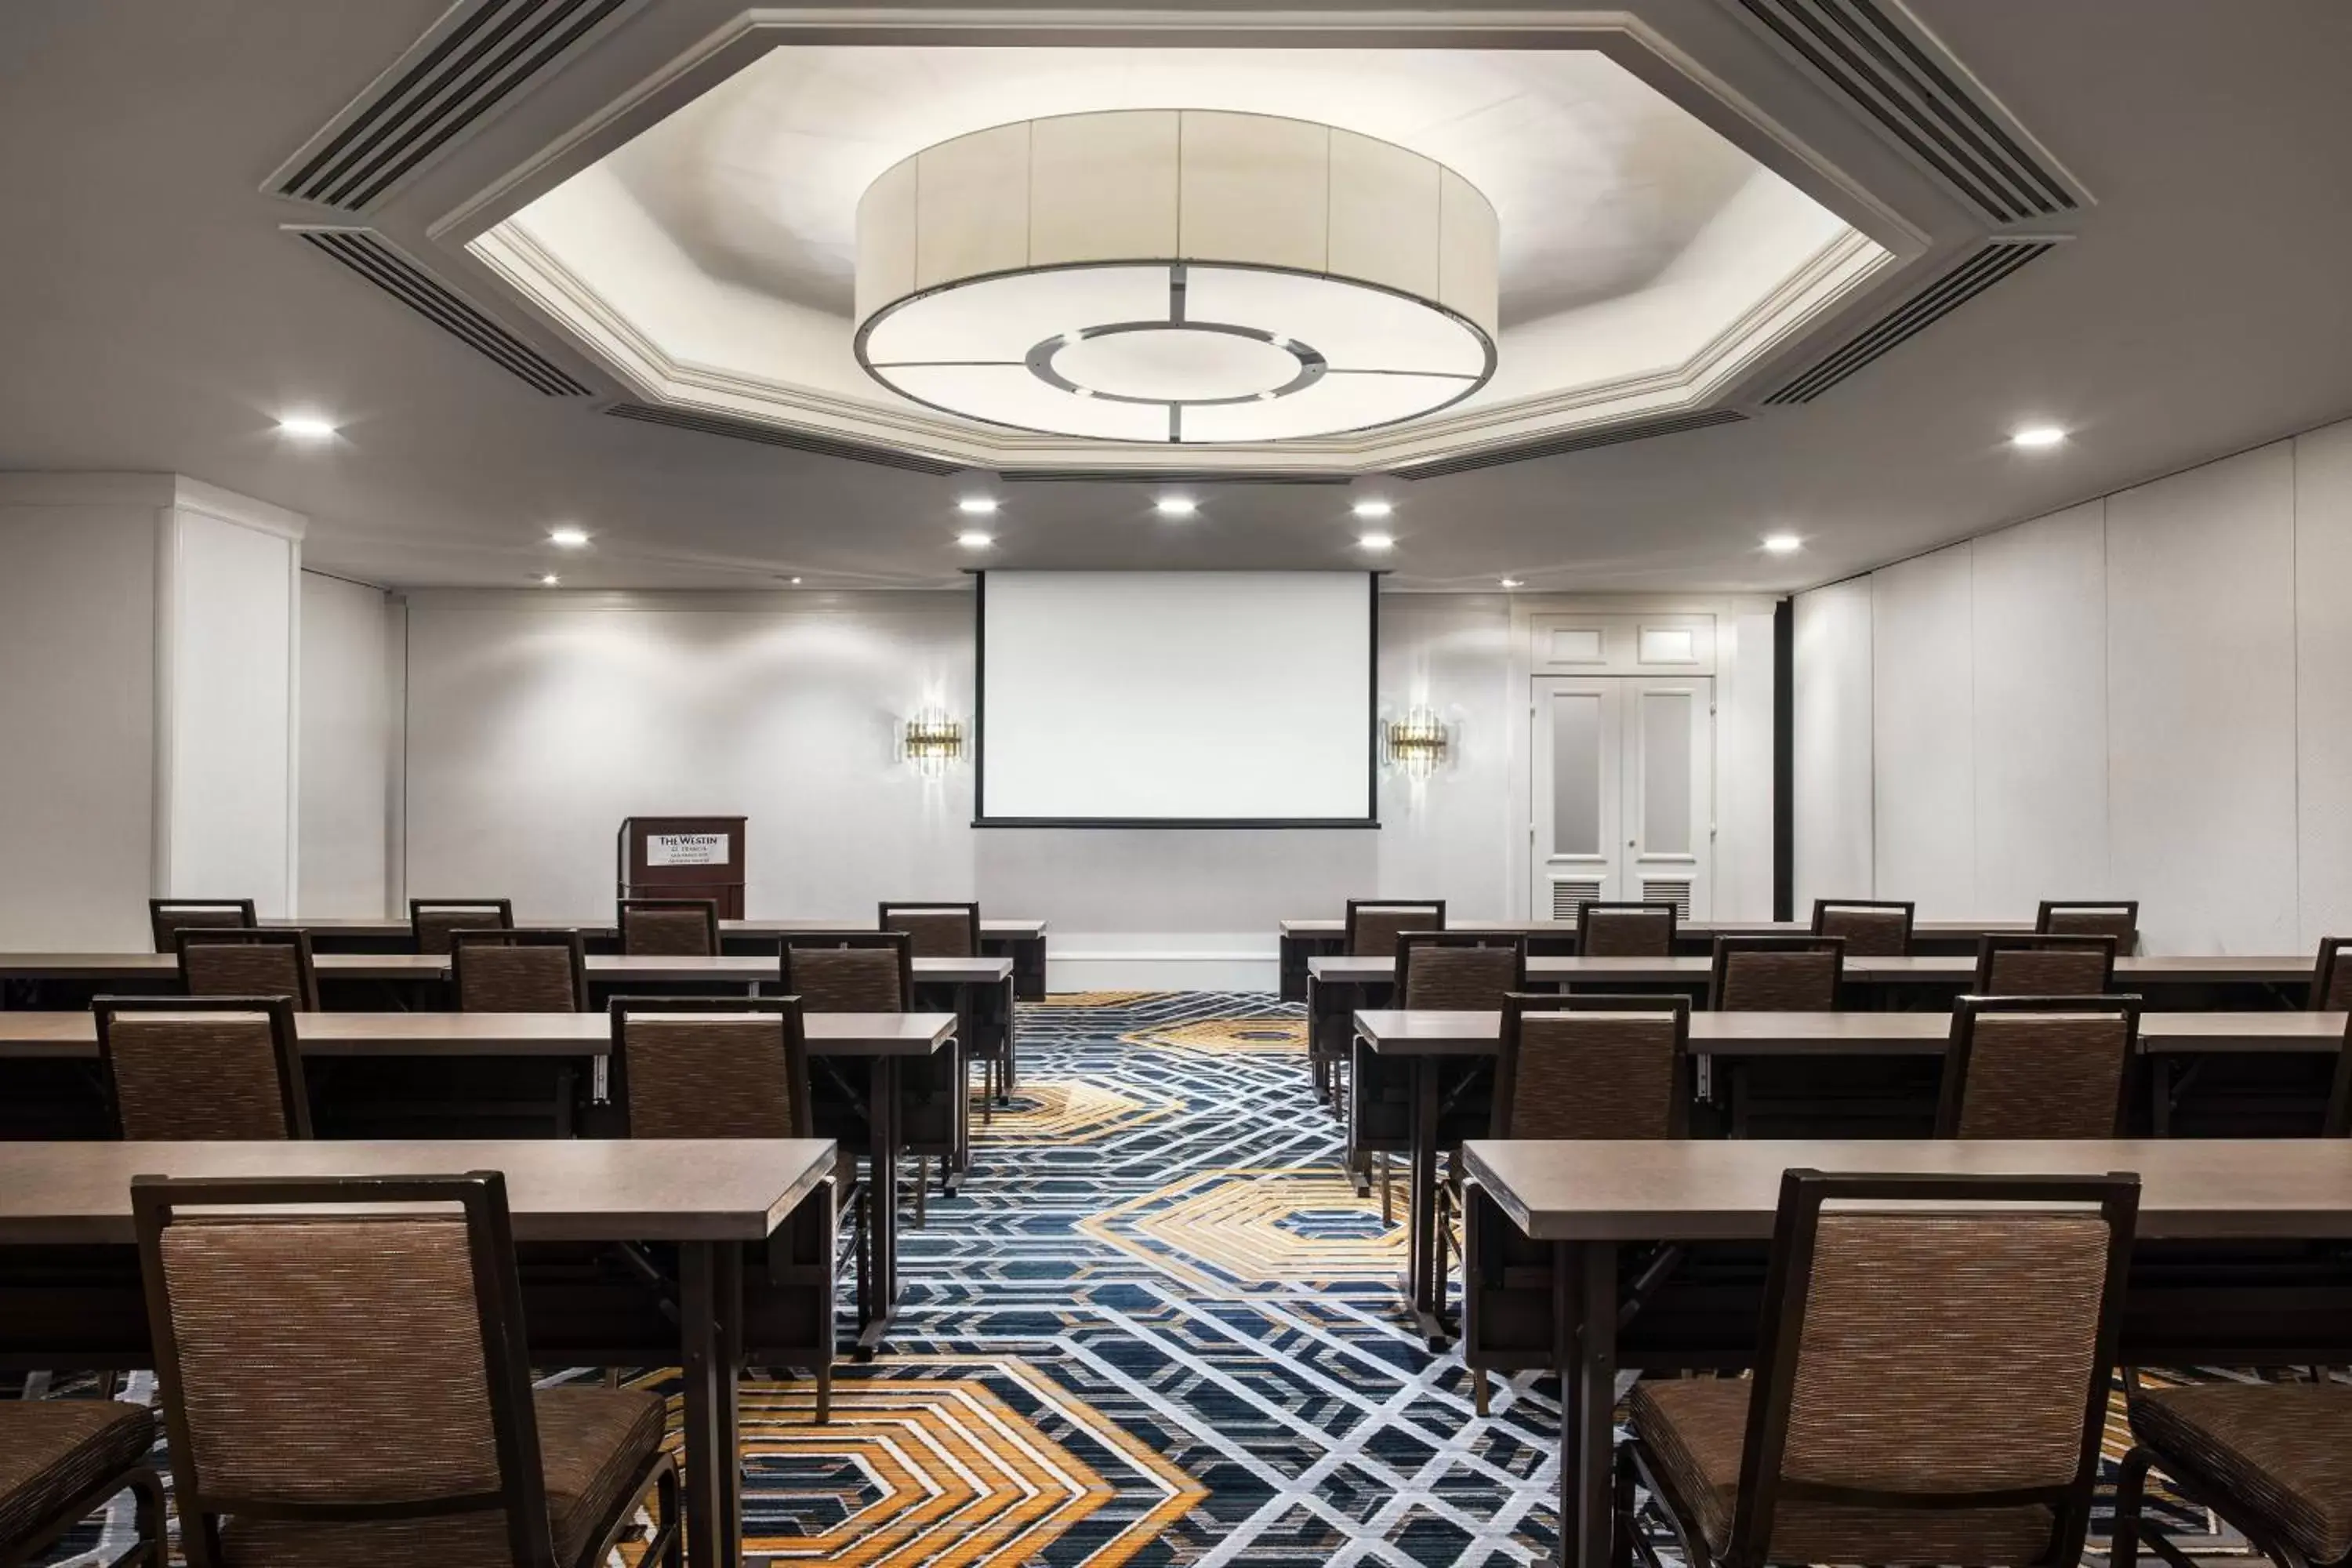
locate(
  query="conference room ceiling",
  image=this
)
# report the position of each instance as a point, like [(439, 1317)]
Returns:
[(160, 316)]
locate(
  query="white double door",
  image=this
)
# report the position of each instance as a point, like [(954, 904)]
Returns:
[(1624, 792)]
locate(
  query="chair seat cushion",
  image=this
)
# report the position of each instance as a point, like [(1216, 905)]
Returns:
[(1695, 1428), (2281, 1450), (53, 1449), (592, 1443)]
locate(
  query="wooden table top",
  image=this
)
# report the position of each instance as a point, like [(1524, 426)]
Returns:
[(377, 926), (2192, 1188), (1425, 1032), (1935, 969), (1693, 928), (75, 1035), (573, 1189), (614, 968)]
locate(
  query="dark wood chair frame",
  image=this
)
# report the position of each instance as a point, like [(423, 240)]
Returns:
[(305, 961), (835, 940), (710, 907), (503, 907), (1953, 1093), (1584, 917), (2133, 1528), (149, 1547), (498, 1293), (1726, 946), (2049, 907), (1363, 1155), (1436, 908), (1906, 908), (519, 936), (888, 907), (2323, 970), (1788, 1281), (1992, 943), (1328, 1052), (162, 928), (991, 1058), (293, 1094)]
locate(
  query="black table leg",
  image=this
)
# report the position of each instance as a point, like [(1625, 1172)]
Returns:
[(1423, 1283), (1584, 1298), (710, 1287), (882, 1182)]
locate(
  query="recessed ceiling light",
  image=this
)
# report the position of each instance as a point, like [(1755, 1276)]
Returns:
[(305, 427), (549, 579), (975, 540), (796, 582), (1513, 582), (2037, 436), (1175, 506), (1783, 544), (1374, 507), (568, 537), (977, 506), (1376, 541)]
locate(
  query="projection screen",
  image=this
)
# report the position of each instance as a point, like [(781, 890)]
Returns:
[(1176, 699)]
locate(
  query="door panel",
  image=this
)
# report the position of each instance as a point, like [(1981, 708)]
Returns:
[(1624, 792), (1577, 793), (1669, 761)]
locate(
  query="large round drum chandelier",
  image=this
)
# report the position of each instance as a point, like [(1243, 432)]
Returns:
[(1176, 275)]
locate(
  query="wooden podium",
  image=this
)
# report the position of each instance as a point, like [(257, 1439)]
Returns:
[(684, 858)]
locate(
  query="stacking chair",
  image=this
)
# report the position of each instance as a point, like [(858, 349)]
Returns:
[(431, 920), (737, 1066), (62, 1460), (2038, 1066), (166, 916), (669, 928), (2117, 917), (1624, 929), (1581, 1065), (2009, 966), (860, 972), (1930, 1384), (1776, 974), (355, 1387), (952, 930), (2269, 1457), (2331, 978), (1873, 928), (518, 971), (223, 960), (1371, 931), (200, 1068), (1467, 971)]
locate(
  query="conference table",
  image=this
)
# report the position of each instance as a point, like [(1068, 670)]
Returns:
[(1426, 1040), (70, 1293), (1022, 941), (882, 1042), (2237, 1260)]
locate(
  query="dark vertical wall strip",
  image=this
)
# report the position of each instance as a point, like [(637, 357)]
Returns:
[(1784, 760)]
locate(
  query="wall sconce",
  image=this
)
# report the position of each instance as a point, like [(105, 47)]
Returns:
[(933, 740), (1416, 743)]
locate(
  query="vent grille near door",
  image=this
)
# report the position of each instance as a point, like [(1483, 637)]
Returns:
[(1575, 441), (1918, 95), (1674, 890), (366, 253), (473, 59), (1963, 282), (1566, 896), (775, 436)]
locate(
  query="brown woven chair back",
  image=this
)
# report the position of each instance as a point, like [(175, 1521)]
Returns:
[(202, 1069), (2045, 966), (225, 962), (669, 928), (1873, 928), (432, 921), (518, 971), (1374, 925), (2038, 1066), (1459, 971), (1592, 1067), (367, 1363), (2117, 917), (1940, 1337), (166, 916), (1624, 930), (936, 931), (2331, 976), (1776, 974), (711, 1068), (851, 971)]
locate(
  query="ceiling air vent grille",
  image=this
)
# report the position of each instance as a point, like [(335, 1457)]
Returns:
[(1963, 282), (1160, 477), (1926, 100), (1575, 441), (367, 253), (479, 55), (776, 435)]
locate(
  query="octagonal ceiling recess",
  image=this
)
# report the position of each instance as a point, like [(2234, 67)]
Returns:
[(1639, 260)]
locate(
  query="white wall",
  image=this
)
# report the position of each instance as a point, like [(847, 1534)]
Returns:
[(2145, 696), (347, 734)]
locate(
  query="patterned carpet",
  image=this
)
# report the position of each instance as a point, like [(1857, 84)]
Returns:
[(1157, 1327)]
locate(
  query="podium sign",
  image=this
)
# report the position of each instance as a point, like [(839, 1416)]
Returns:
[(684, 858)]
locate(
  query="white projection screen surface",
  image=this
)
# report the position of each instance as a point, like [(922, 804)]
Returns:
[(1154, 698)]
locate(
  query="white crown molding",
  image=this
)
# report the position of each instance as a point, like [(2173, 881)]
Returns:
[(228, 506)]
